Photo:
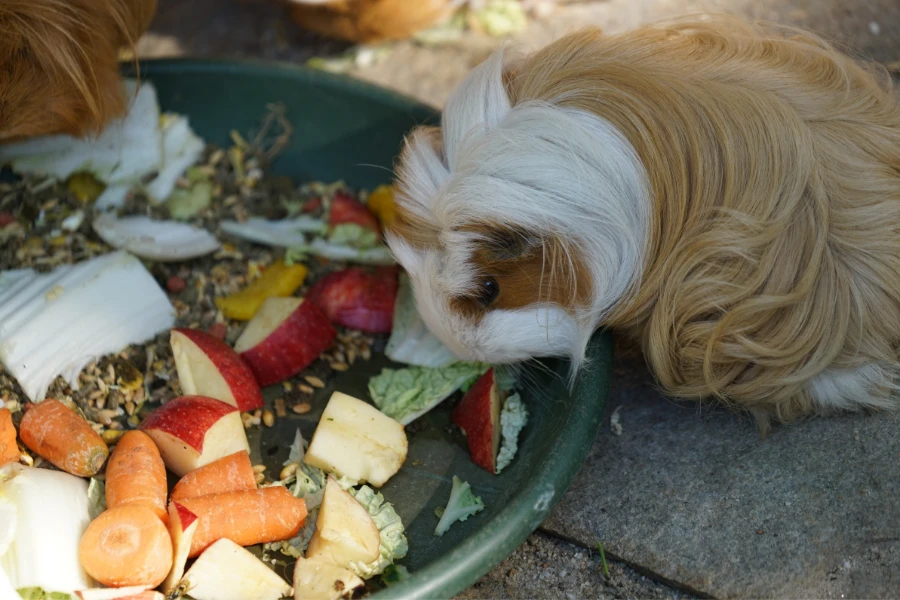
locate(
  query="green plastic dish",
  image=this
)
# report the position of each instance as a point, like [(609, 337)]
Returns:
[(347, 130)]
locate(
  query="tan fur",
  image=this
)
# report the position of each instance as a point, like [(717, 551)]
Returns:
[(774, 163), (370, 21), (59, 70)]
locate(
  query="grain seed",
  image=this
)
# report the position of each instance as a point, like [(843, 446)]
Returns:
[(279, 407), (288, 471), (314, 381)]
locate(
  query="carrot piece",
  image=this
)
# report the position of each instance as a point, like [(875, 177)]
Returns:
[(58, 435), (126, 545), (136, 474), (9, 451), (230, 473), (246, 517)]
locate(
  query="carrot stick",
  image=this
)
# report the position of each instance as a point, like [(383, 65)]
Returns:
[(230, 473), (246, 517), (9, 451), (136, 474), (126, 545), (58, 435)]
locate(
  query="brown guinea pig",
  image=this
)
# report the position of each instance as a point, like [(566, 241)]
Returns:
[(370, 21), (59, 68), (727, 195)]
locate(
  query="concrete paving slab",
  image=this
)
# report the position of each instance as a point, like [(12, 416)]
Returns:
[(698, 498), (545, 567)]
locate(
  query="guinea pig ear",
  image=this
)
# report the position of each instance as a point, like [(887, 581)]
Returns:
[(478, 104)]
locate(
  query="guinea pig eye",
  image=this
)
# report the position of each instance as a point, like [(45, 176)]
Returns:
[(488, 291)]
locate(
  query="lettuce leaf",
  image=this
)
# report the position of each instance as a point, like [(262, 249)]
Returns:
[(411, 341), (36, 593), (407, 394), (513, 418), (461, 505), (393, 541), (353, 235), (96, 497)]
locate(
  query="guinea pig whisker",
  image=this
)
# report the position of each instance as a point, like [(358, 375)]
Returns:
[(381, 167)]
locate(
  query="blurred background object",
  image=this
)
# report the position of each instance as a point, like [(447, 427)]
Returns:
[(424, 47)]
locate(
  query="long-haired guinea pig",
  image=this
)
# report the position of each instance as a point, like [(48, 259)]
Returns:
[(59, 69), (725, 195)]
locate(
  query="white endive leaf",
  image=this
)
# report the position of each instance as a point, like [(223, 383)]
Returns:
[(51, 508), (57, 323), (166, 241), (112, 197), (126, 150), (181, 149), (378, 255), (411, 341), (285, 233)]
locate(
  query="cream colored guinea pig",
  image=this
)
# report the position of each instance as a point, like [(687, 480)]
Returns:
[(726, 195)]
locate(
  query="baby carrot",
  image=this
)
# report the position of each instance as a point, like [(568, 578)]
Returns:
[(136, 474), (246, 517), (126, 545), (228, 474), (9, 451), (58, 435)]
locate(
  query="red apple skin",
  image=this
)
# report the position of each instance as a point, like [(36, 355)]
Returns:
[(346, 209), (236, 373), (358, 298), (473, 415), (185, 517), (291, 346), (188, 418)]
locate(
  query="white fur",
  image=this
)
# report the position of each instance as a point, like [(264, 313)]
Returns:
[(867, 387), (548, 169)]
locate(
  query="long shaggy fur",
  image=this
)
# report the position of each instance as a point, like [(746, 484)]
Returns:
[(59, 70), (770, 274)]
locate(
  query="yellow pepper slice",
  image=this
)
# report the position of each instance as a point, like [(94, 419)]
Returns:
[(278, 280), (381, 202), (85, 187)]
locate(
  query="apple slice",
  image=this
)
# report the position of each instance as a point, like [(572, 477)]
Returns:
[(356, 440), (192, 431), (345, 532), (347, 209), (182, 525), (207, 366), (284, 337), (225, 571), (478, 415), (315, 580), (137, 592), (358, 298)]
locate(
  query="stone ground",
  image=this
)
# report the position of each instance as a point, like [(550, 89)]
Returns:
[(687, 502)]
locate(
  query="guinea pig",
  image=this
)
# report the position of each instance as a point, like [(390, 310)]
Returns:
[(59, 67), (726, 195)]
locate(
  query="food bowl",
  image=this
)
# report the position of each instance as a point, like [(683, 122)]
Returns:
[(351, 131)]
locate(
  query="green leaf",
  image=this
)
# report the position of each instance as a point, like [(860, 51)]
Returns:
[(461, 505), (407, 394)]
